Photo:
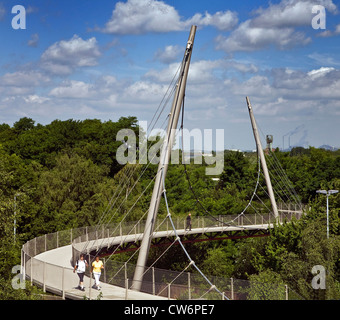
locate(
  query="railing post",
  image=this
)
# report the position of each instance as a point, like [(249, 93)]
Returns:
[(104, 270), (63, 284), (286, 289), (90, 286), (23, 264), (169, 291), (44, 277), (153, 281), (32, 271), (232, 288), (126, 288), (189, 286)]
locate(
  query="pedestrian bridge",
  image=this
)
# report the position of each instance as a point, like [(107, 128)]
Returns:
[(47, 261)]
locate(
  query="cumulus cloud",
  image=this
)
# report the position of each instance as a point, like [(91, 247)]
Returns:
[(249, 38), (33, 42), (168, 54), (27, 78), (72, 89), (276, 25), (64, 56), (289, 13), (142, 16)]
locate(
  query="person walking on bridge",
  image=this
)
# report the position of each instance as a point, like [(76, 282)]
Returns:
[(188, 222), (81, 266), (96, 269)]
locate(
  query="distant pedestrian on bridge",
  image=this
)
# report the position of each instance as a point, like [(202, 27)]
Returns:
[(97, 267), (81, 266), (188, 222)]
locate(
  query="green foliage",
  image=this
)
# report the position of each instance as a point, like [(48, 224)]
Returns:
[(267, 285), (64, 174)]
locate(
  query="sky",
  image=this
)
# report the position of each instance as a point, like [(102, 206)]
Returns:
[(85, 59)]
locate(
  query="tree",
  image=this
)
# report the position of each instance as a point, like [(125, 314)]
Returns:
[(23, 124), (267, 285)]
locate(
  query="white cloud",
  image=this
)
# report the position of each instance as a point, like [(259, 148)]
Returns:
[(72, 89), (64, 57), (289, 13), (320, 72), (33, 42), (142, 16), (168, 54), (276, 25), (249, 38), (22, 82), (222, 20), (34, 98)]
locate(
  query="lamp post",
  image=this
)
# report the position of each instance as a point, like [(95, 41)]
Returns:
[(327, 193)]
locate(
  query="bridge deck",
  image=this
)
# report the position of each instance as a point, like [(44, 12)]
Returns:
[(47, 260), (61, 258), (98, 244)]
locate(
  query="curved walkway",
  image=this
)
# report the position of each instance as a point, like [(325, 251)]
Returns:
[(47, 261)]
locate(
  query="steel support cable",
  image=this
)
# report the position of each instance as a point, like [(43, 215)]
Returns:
[(284, 174), (181, 244), (154, 232), (125, 199), (165, 98), (279, 188), (173, 280), (194, 193), (278, 179), (163, 253), (169, 95), (285, 180), (276, 191), (180, 79), (115, 197), (127, 213)]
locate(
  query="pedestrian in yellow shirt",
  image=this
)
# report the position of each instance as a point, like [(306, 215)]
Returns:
[(96, 269)]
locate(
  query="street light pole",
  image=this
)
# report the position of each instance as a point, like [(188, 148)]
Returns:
[(327, 193)]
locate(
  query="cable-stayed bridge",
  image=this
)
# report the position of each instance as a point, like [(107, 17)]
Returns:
[(48, 260)]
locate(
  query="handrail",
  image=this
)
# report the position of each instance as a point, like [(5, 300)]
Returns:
[(36, 270)]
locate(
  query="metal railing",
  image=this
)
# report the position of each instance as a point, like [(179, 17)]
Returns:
[(158, 282)]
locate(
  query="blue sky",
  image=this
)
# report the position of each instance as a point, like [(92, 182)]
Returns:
[(87, 59)]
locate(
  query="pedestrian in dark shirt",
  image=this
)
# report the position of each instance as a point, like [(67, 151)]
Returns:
[(188, 222)]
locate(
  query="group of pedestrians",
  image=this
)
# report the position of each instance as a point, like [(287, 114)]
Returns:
[(96, 270), (97, 265)]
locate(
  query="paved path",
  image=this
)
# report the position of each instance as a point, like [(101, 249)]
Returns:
[(58, 267), (91, 245), (53, 268)]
